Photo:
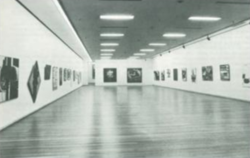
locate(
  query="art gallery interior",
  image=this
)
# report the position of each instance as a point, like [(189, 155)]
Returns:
[(124, 78)]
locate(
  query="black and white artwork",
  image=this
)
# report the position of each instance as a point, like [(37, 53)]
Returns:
[(74, 75), (47, 72), (34, 81), (54, 78), (9, 70), (65, 74), (163, 75), (207, 73), (193, 75), (134, 75), (109, 75), (184, 74), (225, 72), (60, 76), (169, 73), (246, 76), (157, 75), (175, 74)]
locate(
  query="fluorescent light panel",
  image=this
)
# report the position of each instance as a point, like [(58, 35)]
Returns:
[(140, 54), (107, 50), (117, 17), (147, 50), (204, 18), (109, 44), (174, 35), (106, 54), (112, 35), (157, 44)]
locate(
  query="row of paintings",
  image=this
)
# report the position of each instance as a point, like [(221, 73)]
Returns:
[(207, 74), (134, 75)]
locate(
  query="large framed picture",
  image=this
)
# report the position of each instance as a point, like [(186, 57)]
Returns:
[(184, 74), (54, 78), (175, 74), (163, 75), (169, 73), (207, 73), (246, 76), (109, 75), (157, 75), (134, 75), (65, 74), (34, 81), (225, 72), (9, 79), (60, 76), (193, 75), (47, 72)]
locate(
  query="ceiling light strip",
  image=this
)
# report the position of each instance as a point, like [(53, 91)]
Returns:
[(204, 18), (117, 17)]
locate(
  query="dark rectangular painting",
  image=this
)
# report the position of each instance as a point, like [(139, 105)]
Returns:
[(134, 75), (93, 71), (175, 74), (207, 73), (163, 75), (34, 81), (65, 74), (54, 78), (74, 75), (168, 73), (157, 75), (193, 75), (184, 74), (9, 70), (246, 76), (109, 75), (225, 72), (68, 74), (47, 72), (60, 76)]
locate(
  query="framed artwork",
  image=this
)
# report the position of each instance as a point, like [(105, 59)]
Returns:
[(47, 72), (109, 75), (246, 76), (207, 73), (193, 75), (74, 75), (93, 71), (54, 78), (65, 74), (168, 73), (134, 75), (69, 74), (34, 81), (225, 72), (163, 75), (60, 76), (9, 79), (157, 75), (175, 74), (184, 74)]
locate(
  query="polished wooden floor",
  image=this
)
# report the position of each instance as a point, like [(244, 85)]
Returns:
[(132, 122)]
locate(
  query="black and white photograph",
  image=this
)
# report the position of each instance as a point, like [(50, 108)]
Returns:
[(134, 75), (34, 81), (125, 78), (109, 75), (9, 78)]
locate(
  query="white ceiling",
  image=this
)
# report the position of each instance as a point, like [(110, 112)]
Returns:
[(152, 19)]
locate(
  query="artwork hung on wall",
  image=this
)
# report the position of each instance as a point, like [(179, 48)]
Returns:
[(65, 74), (168, 73), (246, 76), (193, 75), (134, 75), (207, 73), (163, 75), (9, 70), (69, 74), (93, 71), (60, 76), (157, 75), (109, 75), (175, 74), (34, 82), (47, 72), (54, 78), (225, 72), (74, 75), (184, 74)]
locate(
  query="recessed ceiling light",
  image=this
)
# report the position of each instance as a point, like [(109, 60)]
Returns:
[(117, 17), (147, 50), (109, 44), (174, 35), (112, 35), (204, 18), (107, 50), (140, 54), (106, 54), (157, 44)]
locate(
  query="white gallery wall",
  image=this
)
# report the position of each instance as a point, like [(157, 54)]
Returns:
[(25, 38), (232, 48), (121, 68)]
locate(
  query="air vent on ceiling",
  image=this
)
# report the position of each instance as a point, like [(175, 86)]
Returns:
[(233, 3)]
